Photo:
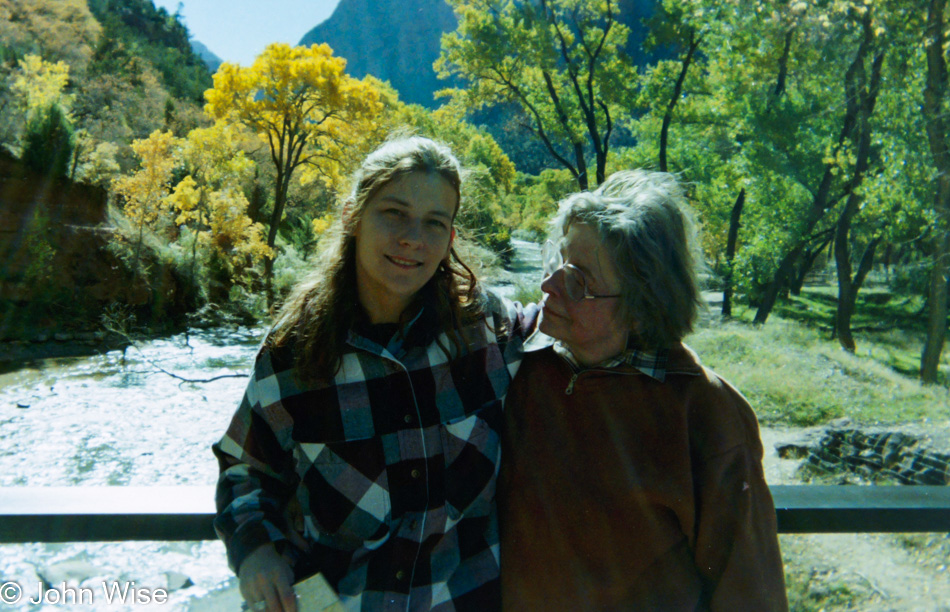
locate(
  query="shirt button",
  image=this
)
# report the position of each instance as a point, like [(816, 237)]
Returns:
[(415, 473), (407, 418), (400, 575)]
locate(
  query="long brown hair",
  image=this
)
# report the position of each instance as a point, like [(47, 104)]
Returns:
[(319, 313)]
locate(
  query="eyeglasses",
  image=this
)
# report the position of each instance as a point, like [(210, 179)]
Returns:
[(575, 283)]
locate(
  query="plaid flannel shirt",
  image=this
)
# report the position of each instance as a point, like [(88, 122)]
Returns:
[(389, 467), (653, 364)]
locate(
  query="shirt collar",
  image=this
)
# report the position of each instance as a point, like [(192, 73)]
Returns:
[(417, 331), (653, 364)]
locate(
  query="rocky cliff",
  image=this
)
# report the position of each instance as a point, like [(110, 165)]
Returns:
[(394, 40), (57, 270)]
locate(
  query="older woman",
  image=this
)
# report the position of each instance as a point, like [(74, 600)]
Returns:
[(631, 476)]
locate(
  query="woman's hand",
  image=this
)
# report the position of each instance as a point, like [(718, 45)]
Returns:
[(267, 582)]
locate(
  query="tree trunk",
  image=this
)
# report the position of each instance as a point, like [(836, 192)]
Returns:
[(867, 262), (731, 241), (935, 94), (280, 200), (863, 96), (937, 316), (136, 262), (848, 292), (677, 92), (775, 286), (888, 253), (808, 262)]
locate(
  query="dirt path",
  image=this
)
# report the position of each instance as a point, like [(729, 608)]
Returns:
[(867, 572)]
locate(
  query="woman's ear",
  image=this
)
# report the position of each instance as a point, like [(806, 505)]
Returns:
[(448, 249)]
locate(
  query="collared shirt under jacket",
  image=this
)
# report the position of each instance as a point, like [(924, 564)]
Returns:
[(392, 465)]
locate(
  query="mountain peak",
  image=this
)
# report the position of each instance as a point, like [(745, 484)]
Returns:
[(394, 40)]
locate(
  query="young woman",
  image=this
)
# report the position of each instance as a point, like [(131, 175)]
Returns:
[(367, 443)]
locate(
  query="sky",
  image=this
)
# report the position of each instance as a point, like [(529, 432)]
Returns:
[(238, 30)]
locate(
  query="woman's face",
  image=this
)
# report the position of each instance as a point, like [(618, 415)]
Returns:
[(405, 231), (592, 329)]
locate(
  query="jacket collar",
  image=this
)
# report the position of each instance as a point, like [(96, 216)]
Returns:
[(679, 359)]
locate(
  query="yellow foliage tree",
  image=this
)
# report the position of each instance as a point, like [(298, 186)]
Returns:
[(37, 86), (302, 103), (209, 200), (144, 192)]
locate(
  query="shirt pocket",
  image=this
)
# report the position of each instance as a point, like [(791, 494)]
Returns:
[(344, 491), (472, 449)]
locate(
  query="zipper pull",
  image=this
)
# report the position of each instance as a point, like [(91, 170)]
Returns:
[(570, 385)]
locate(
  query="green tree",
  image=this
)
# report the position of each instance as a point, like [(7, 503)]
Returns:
[(48, 142), (936, 100), (560, 61), (776, 122)]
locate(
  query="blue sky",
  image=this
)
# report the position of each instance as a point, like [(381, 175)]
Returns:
[(238, 30)]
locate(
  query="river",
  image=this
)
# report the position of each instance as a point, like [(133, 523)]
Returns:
[(116, 419)]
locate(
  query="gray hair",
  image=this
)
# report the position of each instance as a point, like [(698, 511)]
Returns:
[(648, 231)]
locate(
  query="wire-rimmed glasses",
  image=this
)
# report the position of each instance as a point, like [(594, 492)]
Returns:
[(575, 283)]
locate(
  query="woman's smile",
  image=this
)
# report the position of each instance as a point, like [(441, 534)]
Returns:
[(402, 262)]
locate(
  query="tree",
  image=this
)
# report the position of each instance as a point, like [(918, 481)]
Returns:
[(41, 84), (144, 192), (862, 87), (300, 101), (936, 98), (210, 201), (47, 134), (560, 61), (48, 142)]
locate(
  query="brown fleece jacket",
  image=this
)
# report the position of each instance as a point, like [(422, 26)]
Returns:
[(633, 494)]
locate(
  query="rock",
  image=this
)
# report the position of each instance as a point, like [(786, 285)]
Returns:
[(23, 404), (175, 581), (70, 572), (840, 422), (792, 450)]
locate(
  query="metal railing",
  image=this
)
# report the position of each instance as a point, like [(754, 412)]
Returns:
[(98, 514)]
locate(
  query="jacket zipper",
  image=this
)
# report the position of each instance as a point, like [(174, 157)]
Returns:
[(576, 373), (570, 385)]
